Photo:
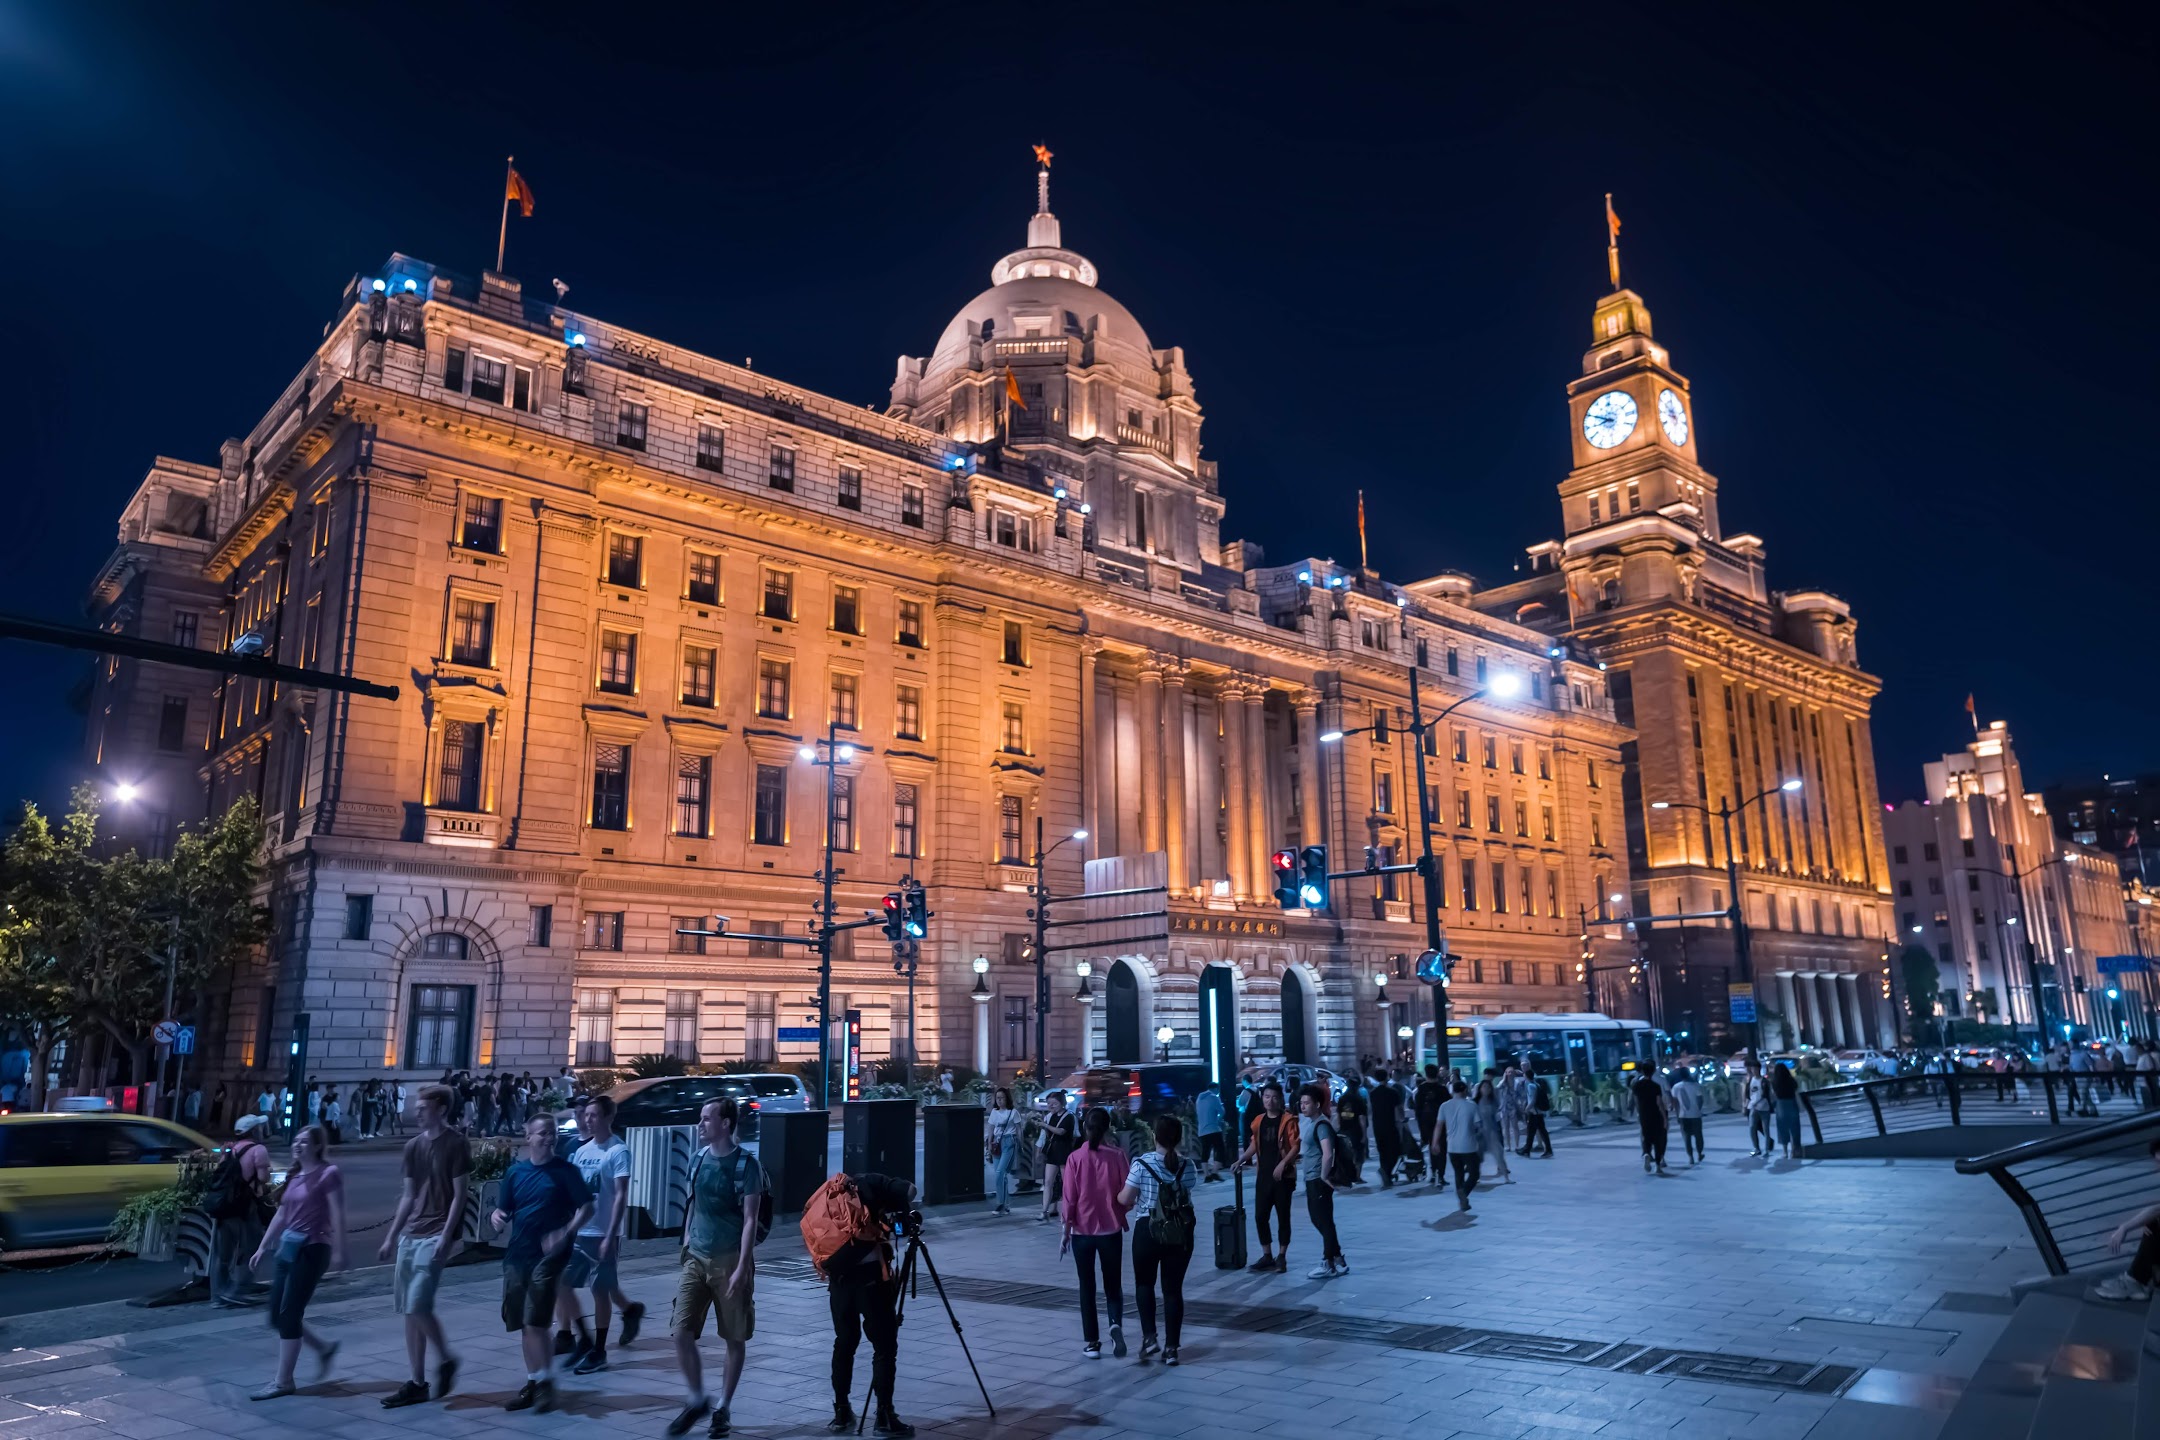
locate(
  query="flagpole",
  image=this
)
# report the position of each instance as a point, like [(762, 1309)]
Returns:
[(502, 235)]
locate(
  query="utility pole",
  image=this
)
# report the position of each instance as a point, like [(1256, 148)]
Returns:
[(1428, 868)]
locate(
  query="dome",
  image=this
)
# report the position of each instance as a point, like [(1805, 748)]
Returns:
[(1047, 305)]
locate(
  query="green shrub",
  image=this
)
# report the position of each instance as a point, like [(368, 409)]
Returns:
[(491, 1160), (650, 1067)]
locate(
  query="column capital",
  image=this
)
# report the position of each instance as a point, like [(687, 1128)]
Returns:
[(1305, 700), (1150, 666)]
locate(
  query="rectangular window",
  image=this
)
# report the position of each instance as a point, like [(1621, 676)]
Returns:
[(1928, 852), (906, 834), (1454, 661), (1552, 893), (1469, 885), (1481, 669), (711, 447), (1380, 727), (911, 505), (1522, 819), (1383, 790), (172, 723), (1015, 1031), (847, 610), (603, 929), (480, 528), (780, 472), (453, 370), (1522, 875), (611, 787), (1010, 846), (681, 1020), (846, 692), (772, 688), (1634, 496), (907, 712), (1461, 751), (487, 379), (849, 490), (596, 1027), (1489, 751), (472, 631), (1597, 831), (1013, 735), (681, 944), (1897, 854), (540, 926), (909, 629), (1968, 844), (630, 426), (439, 1034), (768, 825), (693, 794), (1595, 513), (1015, 648), (1462, 809), (457, 783), (1515, 756), (1544, 763), (843, 812), (359, 916), (761, 1016), (704, 578), (1492, 814), (311, 632), (768, 949), (618, 662), (779, 598), (184, 626), (1594, 785), (697, 675), (625, 560)]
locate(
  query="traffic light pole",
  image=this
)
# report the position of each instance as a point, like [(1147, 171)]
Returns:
[(1427, 866)]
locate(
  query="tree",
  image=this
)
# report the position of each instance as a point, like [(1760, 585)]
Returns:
[(1923, 987), (1985, 1003)]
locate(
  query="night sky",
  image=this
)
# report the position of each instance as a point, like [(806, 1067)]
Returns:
[(1907, 266)]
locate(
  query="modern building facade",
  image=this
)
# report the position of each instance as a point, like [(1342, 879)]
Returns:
[(1731, 689), (623, 586)]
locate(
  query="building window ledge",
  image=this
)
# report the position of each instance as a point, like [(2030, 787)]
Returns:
[(462, 827)]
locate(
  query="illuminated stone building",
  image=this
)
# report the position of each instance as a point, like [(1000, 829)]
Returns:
[(1731, 688), (621, 585)]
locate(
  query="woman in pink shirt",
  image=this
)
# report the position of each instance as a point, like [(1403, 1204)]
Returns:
[(1095, 1228), (308, 1237)]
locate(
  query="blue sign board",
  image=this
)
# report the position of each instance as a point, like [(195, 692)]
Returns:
[(1741, 1000), (806, 1034), (2123, 964), (184, 1040)]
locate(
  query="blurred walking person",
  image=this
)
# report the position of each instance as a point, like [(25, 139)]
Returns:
[(1095, 1229), (307, 1235), (1001, 1147), (424, 1233)]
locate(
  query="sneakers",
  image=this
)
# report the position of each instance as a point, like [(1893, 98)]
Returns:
[(412, 1392), (1091, 1351), (1117, 1340), (528, 1395), (892, 1425), (445, 1377), (544, 1397), (688, 1416), (1646, 1164), (1321, 1272), (843, 1418), (272, 1391), (721, 1424), (1148, 1347), (1342, 1265), (592, 1360), (1169, 1356), (1262, 1265), (632, 1317), (2119, 1287)]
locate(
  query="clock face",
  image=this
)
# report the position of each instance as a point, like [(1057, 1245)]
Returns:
[(1672, 417), (1610, 419)]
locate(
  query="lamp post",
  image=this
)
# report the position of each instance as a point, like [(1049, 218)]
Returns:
[(1041, 916), (1163, 1036), (2032, 959), (830, 753), (1743, 951), (981, 996), (1502, 686), (1086, 996)]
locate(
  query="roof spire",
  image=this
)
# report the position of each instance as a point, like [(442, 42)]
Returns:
[(1043, 226), (1042, 179)]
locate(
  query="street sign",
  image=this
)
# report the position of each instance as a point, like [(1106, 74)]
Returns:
[(2123, 965), (1741, 999), (799, 1034), (165, 1031), (184, 1040)]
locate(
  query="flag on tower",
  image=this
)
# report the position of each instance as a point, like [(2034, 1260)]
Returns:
[(516, 189), (1972, 712), (1361, 558), (1012, 389), (1612, 223)]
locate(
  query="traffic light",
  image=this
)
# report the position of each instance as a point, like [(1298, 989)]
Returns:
[(895, 917), (1286, 880), (1312, 876), (917, 923)]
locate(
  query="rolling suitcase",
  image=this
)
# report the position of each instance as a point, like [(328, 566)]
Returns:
[(1230, 1229)]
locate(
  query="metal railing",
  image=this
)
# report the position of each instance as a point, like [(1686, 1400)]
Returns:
[(1908, 1103), (2073, 1189)]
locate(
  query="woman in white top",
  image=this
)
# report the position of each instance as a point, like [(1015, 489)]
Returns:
[(1001, 1146), (1158, 1178)]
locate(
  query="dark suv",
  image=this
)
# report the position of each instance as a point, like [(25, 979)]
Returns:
[(674, 1100)]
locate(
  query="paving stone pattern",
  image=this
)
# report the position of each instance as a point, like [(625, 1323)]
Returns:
[(1732, 1299)]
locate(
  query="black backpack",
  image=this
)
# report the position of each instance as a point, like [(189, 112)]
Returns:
[(1172, 1222), (228, 1196), (1344, 1172)]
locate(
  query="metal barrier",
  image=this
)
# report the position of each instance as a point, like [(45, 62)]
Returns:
[(1929, 1102), (2073, 1189)]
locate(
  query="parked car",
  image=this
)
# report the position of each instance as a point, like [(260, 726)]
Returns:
[(1290, 1077), (778, 1092), (64, 1176), (672, 1100), (1145, 1090), (1865, 1064)]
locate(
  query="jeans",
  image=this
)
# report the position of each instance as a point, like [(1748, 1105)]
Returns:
[(1272, 1197), (292, 1284), (1320, 1209), (864, 1304), (1537, 1134), (1008, 1155), (1466, 1164), (1110, 1251), (1691, 1136), (1147, 1259), (231, 1243), (1758, 1130), (1788, 1123)]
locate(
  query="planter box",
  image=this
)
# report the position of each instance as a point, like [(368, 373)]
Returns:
[(155, 1244)]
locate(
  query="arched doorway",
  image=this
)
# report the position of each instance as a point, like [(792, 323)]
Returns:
[(1296, 1019), (1121, 1016)]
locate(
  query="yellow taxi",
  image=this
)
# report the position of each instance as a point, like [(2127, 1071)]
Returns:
[(63, 1177)]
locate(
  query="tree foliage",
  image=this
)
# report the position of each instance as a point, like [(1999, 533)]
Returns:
[(1923, 988)]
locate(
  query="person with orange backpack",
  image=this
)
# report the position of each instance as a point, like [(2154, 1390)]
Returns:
[(1273, 1152), (845, 1229)]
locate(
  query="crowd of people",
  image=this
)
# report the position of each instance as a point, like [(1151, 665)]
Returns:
[(489, 1103)]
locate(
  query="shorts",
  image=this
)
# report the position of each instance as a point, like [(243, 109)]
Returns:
[(529, 1291), (412, 1286), (703, 1287), (585, 1270), (1215, 1146)]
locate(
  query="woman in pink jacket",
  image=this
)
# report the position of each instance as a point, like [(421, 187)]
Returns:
[(1095, 1228)]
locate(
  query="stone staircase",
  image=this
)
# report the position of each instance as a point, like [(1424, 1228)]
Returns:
[(2066, 1368)]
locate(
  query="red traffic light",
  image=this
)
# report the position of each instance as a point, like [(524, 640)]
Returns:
[(1286, 859)]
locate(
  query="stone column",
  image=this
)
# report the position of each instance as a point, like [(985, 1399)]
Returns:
[(1310, 830), (1826, 1003), (1148, 727), (1260, 834), (1238, 856), (1857, 1026), (1175, 841), (1090, 753), (1789, 1002), (982, 1033), (1087, 1032)]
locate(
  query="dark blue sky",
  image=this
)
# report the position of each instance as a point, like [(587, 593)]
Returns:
[(1906, 265)]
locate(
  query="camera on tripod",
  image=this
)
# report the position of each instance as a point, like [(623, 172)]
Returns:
[(906, 1224)]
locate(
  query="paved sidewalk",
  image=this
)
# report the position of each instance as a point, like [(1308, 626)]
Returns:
[(1737, 1299)]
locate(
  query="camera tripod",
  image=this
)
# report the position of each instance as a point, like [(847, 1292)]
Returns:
[(916, 1249)]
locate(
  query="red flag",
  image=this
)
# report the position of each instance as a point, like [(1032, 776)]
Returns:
[(1012, 389), (516, 189)]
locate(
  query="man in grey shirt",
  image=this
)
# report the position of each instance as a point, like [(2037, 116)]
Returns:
[(1461, 1129), (1687, 1100)]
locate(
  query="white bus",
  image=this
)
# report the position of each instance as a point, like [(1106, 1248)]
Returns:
[(1577, 1044)]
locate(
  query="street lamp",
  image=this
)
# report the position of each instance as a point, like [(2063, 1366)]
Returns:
[(1041, 916), (835, 754), (1086, 996), (981, 996), (125, 792), (1163, 1036), (1743, 951)]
